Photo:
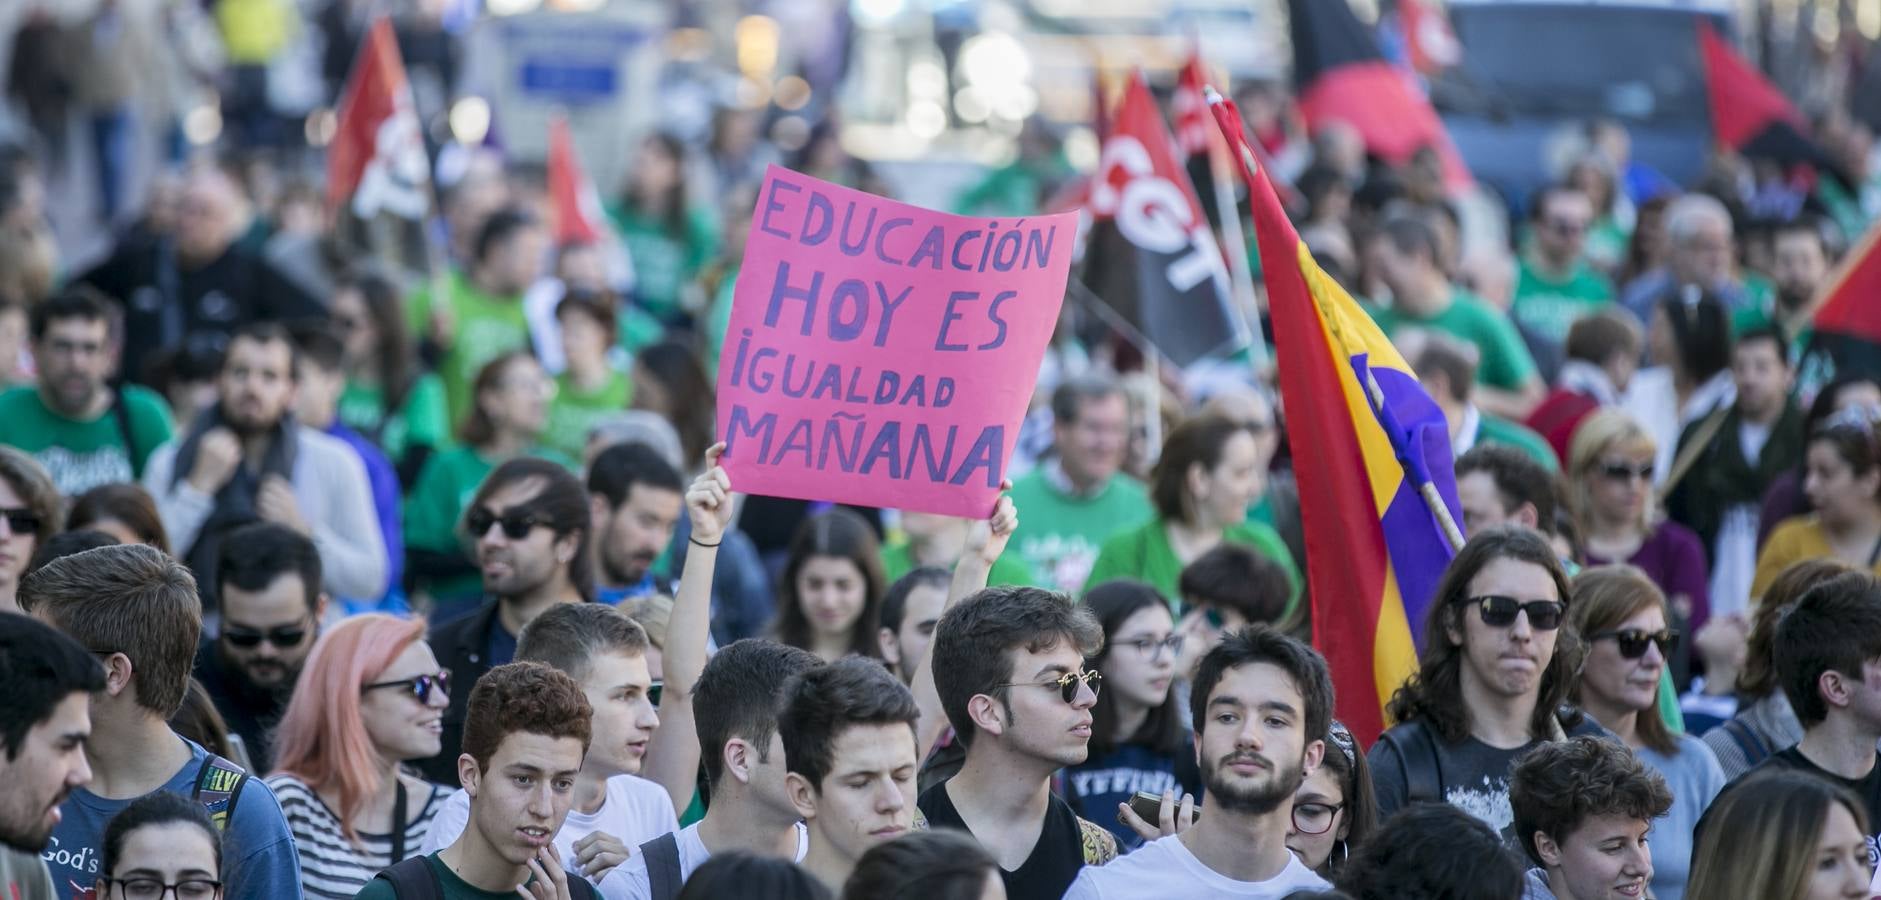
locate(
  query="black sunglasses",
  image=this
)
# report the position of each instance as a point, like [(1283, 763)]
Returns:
[(1499, 612), (1067, 684), (1624, 472), (285, 637), (516, 523), (20, 520), (655, 691), (420, 687), (1634, 641)]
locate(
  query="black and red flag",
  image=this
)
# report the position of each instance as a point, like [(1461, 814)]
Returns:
[(1430, 46), (376, 161), (1153, 259), (1748, 113), (1846, 333), (1340, 75)]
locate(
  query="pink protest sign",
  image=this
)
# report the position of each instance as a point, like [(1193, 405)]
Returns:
[(882, 354)]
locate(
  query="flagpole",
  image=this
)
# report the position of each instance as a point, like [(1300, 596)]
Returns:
[(1243, 277)]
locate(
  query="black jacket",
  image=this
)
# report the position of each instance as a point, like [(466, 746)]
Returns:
[(462, 645)]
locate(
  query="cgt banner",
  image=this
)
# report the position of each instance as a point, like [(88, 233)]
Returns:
[(881, 354)]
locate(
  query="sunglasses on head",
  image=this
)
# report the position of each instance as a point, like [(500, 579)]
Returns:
[(1634, 641), (1067, 684), (249, 638), (20, 520), (421, 687), (516, 523), (1624, 472), (1499, 612)]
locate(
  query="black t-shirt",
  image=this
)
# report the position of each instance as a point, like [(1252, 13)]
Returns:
[(1055, 859), (1868, 788)]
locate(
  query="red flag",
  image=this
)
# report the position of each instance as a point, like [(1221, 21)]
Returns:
[(1748, 113), (1191, 111), (572, 197), (1431, 44), (377, 157)]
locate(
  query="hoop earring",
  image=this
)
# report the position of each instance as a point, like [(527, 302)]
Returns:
[(1345, 853)]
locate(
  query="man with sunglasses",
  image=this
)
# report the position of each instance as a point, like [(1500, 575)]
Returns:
[(271, 611), (1008, 665), (1260, 700), (1555, 284), (1489, 686)]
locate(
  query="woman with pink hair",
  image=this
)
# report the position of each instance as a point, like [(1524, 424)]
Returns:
[(370, 698)]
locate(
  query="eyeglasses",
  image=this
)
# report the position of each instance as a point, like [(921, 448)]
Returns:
[(1499, 611), (1315, 818), (20, 520), (1067, 684), (1633, 641), (421, 687), (153, 889), (516, 524), (285, 637), (1567, 226), (1153, 648), (1624, 472)]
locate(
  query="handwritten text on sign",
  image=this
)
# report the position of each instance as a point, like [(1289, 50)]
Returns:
[(882, 354)]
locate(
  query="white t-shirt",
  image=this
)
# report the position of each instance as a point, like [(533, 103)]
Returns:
[(635, 811), (1164, 868), (629, 880)]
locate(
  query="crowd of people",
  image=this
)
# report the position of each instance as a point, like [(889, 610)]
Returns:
[(318, 580)]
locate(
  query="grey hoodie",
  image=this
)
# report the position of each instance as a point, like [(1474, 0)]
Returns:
[(1536, 886)]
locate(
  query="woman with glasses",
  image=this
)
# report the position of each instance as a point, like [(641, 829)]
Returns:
[(1843, 481), (1623, 619), (162, 845), (1611, 461), (1333, 811), (371, 698), (30, 514), (1138, 742)]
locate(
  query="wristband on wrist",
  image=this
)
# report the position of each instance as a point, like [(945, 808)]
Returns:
[(693, 540)]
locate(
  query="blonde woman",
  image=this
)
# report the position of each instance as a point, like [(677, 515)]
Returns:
[(1610, 494), (1783, 835)]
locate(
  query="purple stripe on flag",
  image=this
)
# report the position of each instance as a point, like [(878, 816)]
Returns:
[(1414, 537)]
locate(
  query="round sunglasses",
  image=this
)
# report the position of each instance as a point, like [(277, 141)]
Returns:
[(1067, 684)]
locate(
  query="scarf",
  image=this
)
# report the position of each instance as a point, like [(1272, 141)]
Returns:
[(235, 503)]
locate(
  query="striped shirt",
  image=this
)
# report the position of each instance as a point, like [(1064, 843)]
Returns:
[(330, 865)]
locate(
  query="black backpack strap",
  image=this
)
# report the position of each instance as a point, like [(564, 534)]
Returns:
[(1421, 783), (219, 785), (580, 889), (662, 856), (121, 416), (413, 879), (1755, 751)]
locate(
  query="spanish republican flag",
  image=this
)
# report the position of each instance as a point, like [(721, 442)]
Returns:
[(1371, 455)]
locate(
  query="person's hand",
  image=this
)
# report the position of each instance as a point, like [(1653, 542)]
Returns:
[(1171, 817), (598, 854), (986, 540), (276, 504), (1723, 641), (217, 456), (549, 882), (709, 500)]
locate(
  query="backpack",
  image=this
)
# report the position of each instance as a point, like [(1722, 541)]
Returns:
[(1421, 783), (219, 784), (662, 856), (414, 879)]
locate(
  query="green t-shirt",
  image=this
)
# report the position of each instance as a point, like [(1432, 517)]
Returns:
[(1505, 363), (1144, 553), (83, 455), (1059, 534), (455, 888), (421, 421), (574, 411), (663, 261), (1549, 305), (1496, 430), (445, 485), (898, 560), (485, 327)]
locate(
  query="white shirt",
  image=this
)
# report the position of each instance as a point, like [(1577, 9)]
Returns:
[(1652, 399), (635, 810), (629, 880), (1164, 868)]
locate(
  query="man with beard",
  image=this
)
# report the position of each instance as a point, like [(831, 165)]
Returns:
[(1259, 699), (1008, 665), (271, 610), (529, 524), (248, 459), (634, 499), (1802, 260), (43, 727), (72, 422)]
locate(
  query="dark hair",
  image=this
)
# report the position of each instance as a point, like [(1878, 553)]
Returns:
[(1198, 441), (529, 697), (1237, 577), (617, 469), (598, 307), (477, 428), (739, 695), (738, 875), (1071, 395), (1814, 226), (266, 333), (677, 368), (198, 720), (1355, 783), (130, 599), (973, 643), (1834, 627), (843, 534), (1113, 603), (66, 543), (1701, 331), (936, 864), (1598, 337), (895, 599), (1854, 442), (151, 810), (395, 353), (499, 228), (1518, 477), (1772, 333), (1561, 784), (256, 554), (125, 502), (40, 667), (34, 484), (568, 636), (1440, 354), (1265, 644), (1432, 851), (319, 346), (80, 301), (1411, 236), (825, 701), (562, 500), (1435, 693), (1538, 202), (671, 209), (1758, 678), (1824, 405)]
